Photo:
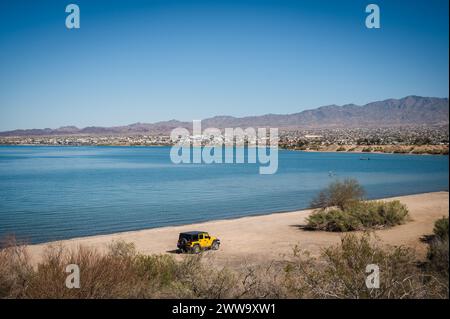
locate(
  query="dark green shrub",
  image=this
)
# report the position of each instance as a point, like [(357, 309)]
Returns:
[(161, 270), (334, 220), (391, 213), (441, 228), (359, 215), (438, 254), (366, 213), (438, 257)]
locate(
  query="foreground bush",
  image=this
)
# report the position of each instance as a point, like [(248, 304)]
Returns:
[(15, 269), (441, 228), (118, 273), (340, 272), (438, 255), (359, 216)]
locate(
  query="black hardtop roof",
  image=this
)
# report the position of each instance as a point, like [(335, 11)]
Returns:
[(194, 232)]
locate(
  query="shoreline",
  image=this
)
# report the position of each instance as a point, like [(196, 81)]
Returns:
[(443, 149), (361, 152), (407, 149), (260, 238)]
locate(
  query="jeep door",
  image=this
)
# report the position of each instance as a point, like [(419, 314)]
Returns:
[(207, 239), (201, 240)]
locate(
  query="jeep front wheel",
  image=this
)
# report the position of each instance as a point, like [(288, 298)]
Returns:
[(196, 249), (215, 245)]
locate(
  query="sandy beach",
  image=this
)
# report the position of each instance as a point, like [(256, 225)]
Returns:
[(260, 239)]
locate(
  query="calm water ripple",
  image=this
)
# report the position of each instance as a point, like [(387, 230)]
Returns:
[(51, 193)]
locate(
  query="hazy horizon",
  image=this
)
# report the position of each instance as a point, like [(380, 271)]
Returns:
[(217, 115)]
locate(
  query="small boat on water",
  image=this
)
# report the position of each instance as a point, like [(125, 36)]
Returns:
[(364, 158)]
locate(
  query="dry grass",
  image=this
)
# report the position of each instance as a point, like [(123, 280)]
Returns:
[(122, 273), (340, 273)]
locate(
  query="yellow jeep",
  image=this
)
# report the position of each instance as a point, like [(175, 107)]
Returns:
[(196, 241)]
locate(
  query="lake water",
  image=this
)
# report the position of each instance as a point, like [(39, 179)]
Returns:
[(51, 193)]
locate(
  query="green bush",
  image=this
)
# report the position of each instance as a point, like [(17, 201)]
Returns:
[(358, 216), (161, 270), (438, 257), (441, 228), (334, 220), (340, 208), (438, 254), (389, 213)]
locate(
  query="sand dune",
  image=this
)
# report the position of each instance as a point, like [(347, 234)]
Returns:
[(260, 239)]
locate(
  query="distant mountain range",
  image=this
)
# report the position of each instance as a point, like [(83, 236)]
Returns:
[(408, 111)]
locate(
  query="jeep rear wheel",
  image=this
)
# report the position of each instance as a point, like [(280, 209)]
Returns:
[(196, 249), (215, 245)]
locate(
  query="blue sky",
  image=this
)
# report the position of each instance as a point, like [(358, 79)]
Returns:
[(146, 61)]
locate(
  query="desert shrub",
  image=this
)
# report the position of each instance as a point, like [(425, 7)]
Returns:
[(438, 254), (340, 208), (438, 257), (383, 213), (120, 248), (441, 228), (15, 269), (358, 216), (158, 272), (120, 272), (341, 149), (333, 220), (197, 279), (340, 194), (102, 275), (262, 281), (340, 272), (365, 213)]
